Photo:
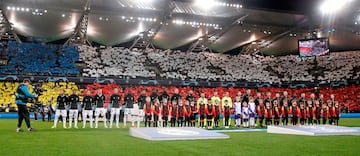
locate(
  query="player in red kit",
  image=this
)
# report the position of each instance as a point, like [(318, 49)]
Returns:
[(216, 113), (227, 113), (165, 112), (317, 112), (172, 113), (261, 112), (336, 112), (277, 113), (147, 111), (187, 113), (180, 114), (331, 114), (294, 112), (309, 109), (303, 113), (268, 114), (285, 112), (157, 112), (194, 113), (210, 111), (325, 112), (202, 113)]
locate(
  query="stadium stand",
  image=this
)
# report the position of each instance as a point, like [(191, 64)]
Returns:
[(114, 62), (347, 96), (52, 90), (340, 66), (48, 60), (39, 59), (219, 67), (7, 90)]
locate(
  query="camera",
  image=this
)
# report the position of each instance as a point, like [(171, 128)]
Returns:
[(37, 89)]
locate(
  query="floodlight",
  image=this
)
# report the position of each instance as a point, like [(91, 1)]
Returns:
[(205, 4), (148, 1), (333, 6)]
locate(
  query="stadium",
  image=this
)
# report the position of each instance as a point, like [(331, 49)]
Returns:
[(179, 77)]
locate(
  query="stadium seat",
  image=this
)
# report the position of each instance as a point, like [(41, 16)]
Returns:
[(40, 59)]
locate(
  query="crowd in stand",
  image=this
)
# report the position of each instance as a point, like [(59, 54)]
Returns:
[(116, 62), (39, 59), (48, 60), (219, 67)]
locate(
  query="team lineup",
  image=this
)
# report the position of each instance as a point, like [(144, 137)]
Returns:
[(164, 111)]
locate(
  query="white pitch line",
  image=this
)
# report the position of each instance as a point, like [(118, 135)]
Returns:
[(240, 130)]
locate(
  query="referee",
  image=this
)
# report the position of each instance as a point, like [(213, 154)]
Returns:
[(22, 96)]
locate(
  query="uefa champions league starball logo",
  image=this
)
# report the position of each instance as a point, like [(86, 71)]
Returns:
[(178, 132), (329, 129)]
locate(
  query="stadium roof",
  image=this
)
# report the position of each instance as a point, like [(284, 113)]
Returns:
[(229, 24)]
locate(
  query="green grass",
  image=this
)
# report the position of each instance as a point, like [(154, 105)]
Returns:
[(86, 142)]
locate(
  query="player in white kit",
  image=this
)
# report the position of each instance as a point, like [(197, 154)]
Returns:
[(136, 115), (237, 108), (252, 111), (245, 114)]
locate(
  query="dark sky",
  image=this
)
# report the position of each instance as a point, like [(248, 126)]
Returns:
[(292, 6)]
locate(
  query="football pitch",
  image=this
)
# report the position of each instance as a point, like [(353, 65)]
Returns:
[(85, 142)]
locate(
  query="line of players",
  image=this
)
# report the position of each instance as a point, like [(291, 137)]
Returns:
[(89, 106), (245, 112), (159, 110), (305, 112)]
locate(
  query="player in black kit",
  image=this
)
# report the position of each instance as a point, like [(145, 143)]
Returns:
[(141, 103), (100, 110), (73, 113), (62, 100), (88, 103), (129, 102), (115, 108)]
